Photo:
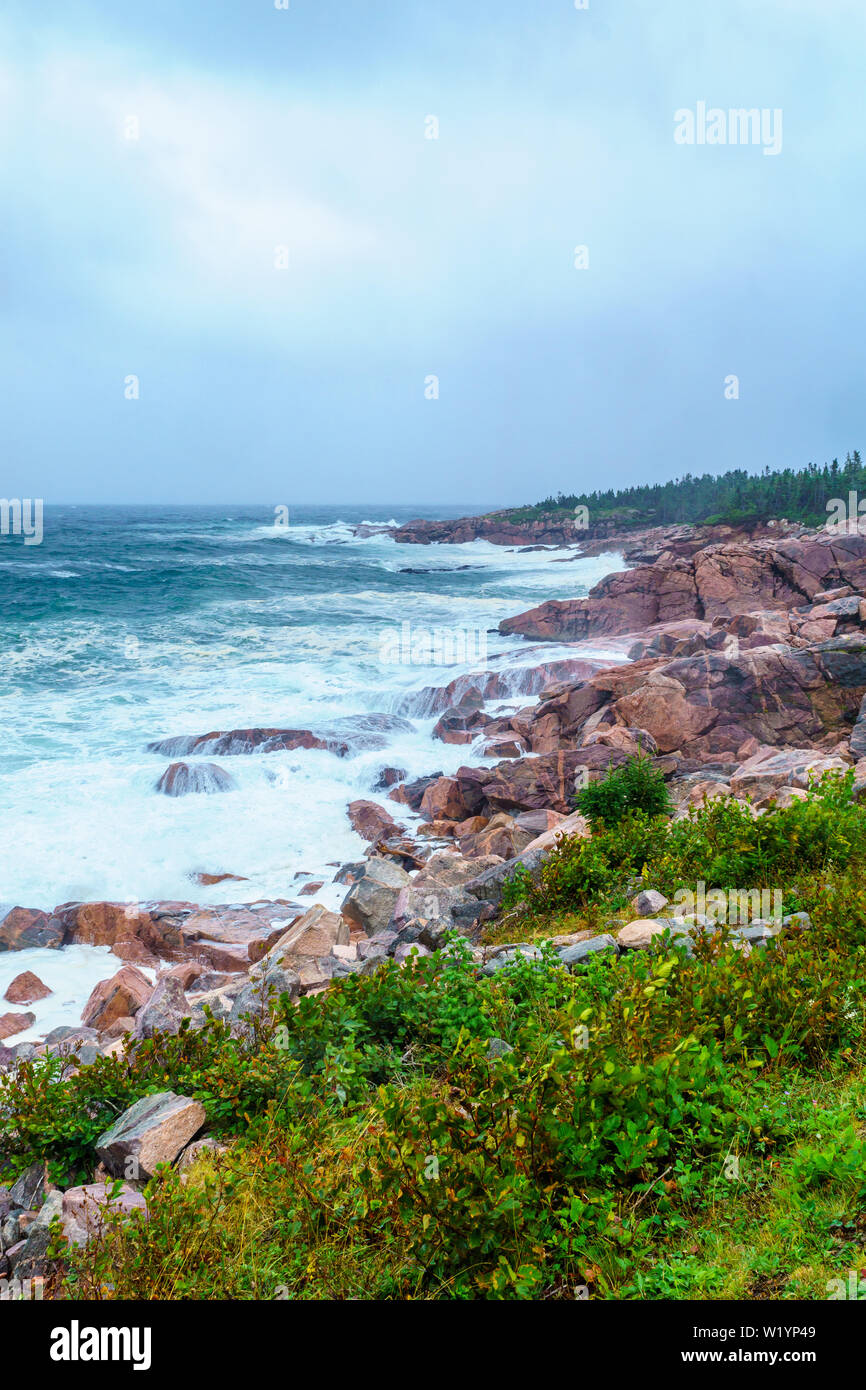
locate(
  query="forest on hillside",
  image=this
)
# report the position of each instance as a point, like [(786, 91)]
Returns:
[(737, 496)]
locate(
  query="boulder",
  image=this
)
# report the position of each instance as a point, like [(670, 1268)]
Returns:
[(84, 1209), (354, 734), (120, 997), (567, 827), (442, 800), (411, 794), (314, 934), (858, 733), (150, 1132), (200, 1148), (769, 768), (164, 1011), (640, 935), (22, 928), (369, 903), (262, 992), (410, 950), (580, 951), (26, 988), (504, 960), (489, 885), (389, 777), (649, 901), (10, 1024), (459, 725), (230, 937), (208, 880), (501, 836), (30, 1257), (186, 779), (28, 1190), (376, 947), (371, 821)]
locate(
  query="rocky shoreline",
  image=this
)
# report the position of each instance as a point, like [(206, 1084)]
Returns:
[(743, 674)]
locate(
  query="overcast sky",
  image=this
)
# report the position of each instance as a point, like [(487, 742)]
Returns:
[(409, 258)]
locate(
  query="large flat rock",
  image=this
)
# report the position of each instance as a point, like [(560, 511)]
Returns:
[(150, 1132)]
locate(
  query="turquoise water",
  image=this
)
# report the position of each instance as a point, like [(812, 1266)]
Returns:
[(128, 625)]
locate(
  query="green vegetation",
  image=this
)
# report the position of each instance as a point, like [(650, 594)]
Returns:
[(723, 844), (637, 786), (663, 1127), (735, 498)]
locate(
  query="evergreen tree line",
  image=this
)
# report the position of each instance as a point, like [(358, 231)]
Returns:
[(735, 497)]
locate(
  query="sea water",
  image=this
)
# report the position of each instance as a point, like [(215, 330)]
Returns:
[(133, 624)]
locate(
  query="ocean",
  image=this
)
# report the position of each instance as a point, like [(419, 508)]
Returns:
[(128, 625)]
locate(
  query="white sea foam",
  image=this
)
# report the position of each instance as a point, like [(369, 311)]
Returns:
[(79, 816), (70, 974)]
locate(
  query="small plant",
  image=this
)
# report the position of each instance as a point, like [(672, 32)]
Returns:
[(636, 786)]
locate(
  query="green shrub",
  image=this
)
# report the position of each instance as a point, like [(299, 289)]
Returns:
[(636, 786)]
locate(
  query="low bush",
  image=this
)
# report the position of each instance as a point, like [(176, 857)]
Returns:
[(637, 786)]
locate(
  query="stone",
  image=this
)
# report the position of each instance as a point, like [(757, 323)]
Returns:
[(164, 1011), (498, 1047), (501, 836), (771, 768), (640, 935), (389, 777), (26, 988), (574, 825), (259, 996), (214, 1002), (649, 901), (408, 950), (580, 951), (355, 733), (411, 794), (539, 821), (505, 959), (83, 1209), (797, 921), (371, 821), (314, 934), (208, 880), (120, 997), (757, 934), (489, 885), (376, 947), (10, 1024), (443, 801), (74, 1044), (200, 1148), (22, 928), (118, 1029), (226, 937), (185, 779), (150, 1132), (716, 581), (28, 1190), (30, 1257), (370, 901)]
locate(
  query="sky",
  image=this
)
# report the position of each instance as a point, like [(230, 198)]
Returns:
[(237, 268)]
